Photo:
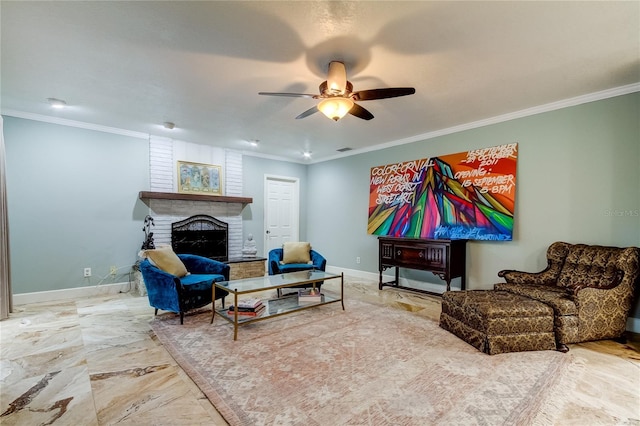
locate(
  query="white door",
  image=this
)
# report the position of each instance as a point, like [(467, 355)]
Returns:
[(281, 211)]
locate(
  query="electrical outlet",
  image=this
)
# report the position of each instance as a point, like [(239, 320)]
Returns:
[(113, 270), (358, 259), (87, 272)]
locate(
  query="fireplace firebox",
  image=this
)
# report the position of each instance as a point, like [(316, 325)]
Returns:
[(202, 235)]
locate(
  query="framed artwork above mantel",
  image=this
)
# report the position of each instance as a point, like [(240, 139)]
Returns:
[(199, 178)]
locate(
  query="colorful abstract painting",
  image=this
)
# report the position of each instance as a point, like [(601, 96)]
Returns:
[(468, 195)]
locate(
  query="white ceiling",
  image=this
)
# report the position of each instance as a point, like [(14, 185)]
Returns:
[(135, 65)]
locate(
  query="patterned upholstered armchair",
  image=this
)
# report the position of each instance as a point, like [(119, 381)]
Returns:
[(590, 288), (186, 289)]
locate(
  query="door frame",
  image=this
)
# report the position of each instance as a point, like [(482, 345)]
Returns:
[(295, 206)]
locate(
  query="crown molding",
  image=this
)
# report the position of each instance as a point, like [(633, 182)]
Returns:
[(73, 123)]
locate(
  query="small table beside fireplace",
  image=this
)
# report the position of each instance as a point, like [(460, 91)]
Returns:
[(246, 267)]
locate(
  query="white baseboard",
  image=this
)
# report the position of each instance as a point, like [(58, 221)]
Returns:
[(633, 324), (71, 293), (353, 273)]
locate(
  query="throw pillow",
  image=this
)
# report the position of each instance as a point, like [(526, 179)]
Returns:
[(296, 252), (165, 259)]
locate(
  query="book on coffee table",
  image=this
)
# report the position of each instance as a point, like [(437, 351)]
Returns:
[(249, 303), (309, 295), (247, 313)]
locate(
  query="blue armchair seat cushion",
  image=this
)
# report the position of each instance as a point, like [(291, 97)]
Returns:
[(294, 267), (203, 280), (198, 289)]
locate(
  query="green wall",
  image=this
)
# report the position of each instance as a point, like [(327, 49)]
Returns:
[(73, 203), (578, 180)]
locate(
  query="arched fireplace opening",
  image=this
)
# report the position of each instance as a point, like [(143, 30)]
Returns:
[(202, 235)]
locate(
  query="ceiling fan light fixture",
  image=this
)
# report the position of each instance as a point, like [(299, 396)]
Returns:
[(335, 108), (337, 78), (338, 98)]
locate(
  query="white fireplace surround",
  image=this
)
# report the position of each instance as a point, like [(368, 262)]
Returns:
[(163, 156)]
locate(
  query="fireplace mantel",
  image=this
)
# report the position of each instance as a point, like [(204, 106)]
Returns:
[(146, 195)]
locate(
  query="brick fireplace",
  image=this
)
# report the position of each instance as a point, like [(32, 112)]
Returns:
[(168, 207), (163, 156)]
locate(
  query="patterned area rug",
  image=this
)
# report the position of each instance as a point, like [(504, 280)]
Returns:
[(368, 365)]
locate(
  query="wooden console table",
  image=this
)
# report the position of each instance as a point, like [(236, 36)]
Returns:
[(445, 258)]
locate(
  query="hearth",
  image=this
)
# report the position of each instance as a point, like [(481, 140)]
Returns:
[(202, 235)]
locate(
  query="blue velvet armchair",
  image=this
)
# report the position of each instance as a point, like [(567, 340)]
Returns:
[(318, 262), (171, 293)]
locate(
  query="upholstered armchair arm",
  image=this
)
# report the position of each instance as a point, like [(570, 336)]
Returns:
[(545, 277), (202, 265), (319, 262), (156, 276), (161, 286), (603, 312), (275, 256), (556, 254)]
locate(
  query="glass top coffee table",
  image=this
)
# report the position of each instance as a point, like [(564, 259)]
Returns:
[(277, 306)]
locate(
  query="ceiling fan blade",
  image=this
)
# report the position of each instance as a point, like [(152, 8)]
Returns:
[(391, 92), (292, 95), (360, 112), (308, 112)]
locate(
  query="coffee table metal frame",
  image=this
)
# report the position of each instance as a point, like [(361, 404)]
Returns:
[(287, 303)]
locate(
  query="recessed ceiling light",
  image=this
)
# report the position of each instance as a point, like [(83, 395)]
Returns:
[(254, 142), (56, 103), (306, 154), (169, 125)]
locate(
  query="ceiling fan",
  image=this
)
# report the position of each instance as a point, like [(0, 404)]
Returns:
[(338, 97)]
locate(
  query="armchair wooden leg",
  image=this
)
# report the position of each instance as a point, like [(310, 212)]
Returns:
[(561, 347), (156, 313), (622, 339), (181, 318)]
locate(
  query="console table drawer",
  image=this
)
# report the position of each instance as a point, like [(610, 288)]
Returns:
[(430, 257)]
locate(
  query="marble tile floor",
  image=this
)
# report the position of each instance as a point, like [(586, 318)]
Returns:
[(96, 362)]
